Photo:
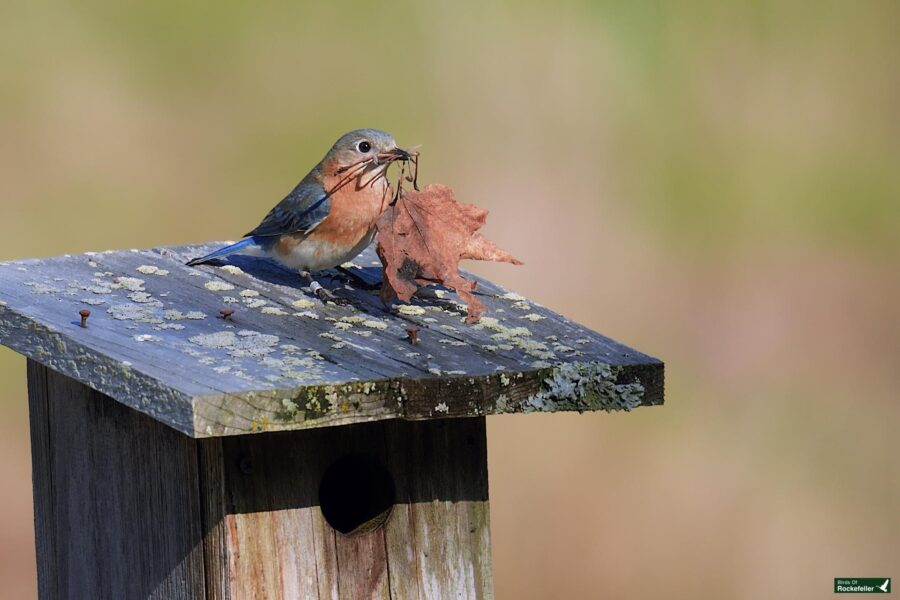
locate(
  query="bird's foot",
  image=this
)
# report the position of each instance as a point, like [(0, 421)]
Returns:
[(321, 292), (326, 295)]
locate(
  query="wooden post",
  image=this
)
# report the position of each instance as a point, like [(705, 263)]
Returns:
[(293, 450)]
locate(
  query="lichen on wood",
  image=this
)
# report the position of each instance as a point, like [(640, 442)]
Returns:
[(285, 360), (586, 386)]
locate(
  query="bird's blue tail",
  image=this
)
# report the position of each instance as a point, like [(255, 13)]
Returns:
[(246, 246)]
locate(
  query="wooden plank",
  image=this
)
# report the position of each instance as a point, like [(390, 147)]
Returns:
[(116, 496), (42, 481), (213, 523), (434, 544), (286, 361), (445, 521)]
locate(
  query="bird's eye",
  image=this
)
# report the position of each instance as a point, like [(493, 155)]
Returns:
[(364, 146)]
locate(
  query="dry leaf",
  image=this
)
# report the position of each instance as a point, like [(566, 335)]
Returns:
[(421, 239)]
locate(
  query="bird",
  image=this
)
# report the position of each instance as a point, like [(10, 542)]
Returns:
[(330, 216)]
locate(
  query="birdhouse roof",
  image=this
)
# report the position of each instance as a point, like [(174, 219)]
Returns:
[(160, 339)]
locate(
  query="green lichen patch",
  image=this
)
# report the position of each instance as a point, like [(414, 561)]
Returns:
[(585, 386), (513, 297), (353, 320), (218, 286), (232, 270), (42, 288), (132, 284), (303, 303), (177, 315), (239, 345), (133, 312), (520, 337), (317, 402), (144, 298), (152, 270), (290, 407)]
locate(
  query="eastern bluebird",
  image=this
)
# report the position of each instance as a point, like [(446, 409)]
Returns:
[(330, 216)]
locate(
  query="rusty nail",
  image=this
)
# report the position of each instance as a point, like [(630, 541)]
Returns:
[(84, 316), (226, 313), (412, 334)]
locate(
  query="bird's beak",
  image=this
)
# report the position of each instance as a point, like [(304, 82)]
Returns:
[(393, 154), (399, 154)]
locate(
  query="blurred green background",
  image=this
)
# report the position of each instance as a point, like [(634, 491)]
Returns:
[(717, 184)]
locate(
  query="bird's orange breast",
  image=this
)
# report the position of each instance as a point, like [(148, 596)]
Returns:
[(354, 211)]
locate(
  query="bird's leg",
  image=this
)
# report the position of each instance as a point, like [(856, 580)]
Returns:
[(320, 291)]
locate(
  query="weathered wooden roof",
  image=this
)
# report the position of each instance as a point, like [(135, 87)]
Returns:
[(156, 341)]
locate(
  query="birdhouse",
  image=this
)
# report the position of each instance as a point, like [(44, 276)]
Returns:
[(218, 432)]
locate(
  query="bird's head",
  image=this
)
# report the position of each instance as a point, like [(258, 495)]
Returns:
[(362, 150)]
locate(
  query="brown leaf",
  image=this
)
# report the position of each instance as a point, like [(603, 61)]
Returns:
[(421, 239)]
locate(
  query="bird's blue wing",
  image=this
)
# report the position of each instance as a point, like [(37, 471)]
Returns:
[(301, 210)]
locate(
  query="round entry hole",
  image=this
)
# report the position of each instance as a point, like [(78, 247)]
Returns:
[(356, 494)]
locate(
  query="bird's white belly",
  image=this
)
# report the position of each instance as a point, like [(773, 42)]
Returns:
[(316, 254)]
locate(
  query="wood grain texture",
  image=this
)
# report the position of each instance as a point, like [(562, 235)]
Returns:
[(286, 361), (117, 510), (41, 468), (125, 507), (212, 515), (435, 543)]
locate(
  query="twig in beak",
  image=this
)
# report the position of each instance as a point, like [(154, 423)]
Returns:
[(415, 169), (399, 189), (355, 170), (363, 161)]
